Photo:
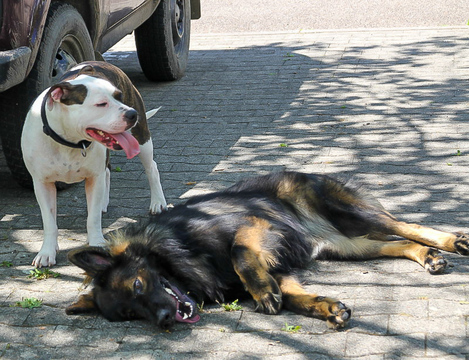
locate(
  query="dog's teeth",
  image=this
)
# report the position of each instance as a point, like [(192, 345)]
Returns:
[(185, 316), (170, 292)]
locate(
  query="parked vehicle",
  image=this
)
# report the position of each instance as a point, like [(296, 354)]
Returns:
[(41, 39)]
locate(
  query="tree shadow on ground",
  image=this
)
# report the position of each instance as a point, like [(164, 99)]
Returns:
[(389, 116)]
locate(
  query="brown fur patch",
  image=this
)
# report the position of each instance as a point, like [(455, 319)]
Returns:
[(117, 95), (73, 94), (251, 237), (297, 193), (85, 304), (123, 283), (118, 248)]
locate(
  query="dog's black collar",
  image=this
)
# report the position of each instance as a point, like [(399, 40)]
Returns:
[(83, 144)]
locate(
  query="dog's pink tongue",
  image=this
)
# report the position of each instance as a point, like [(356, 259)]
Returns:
[(128, 143)]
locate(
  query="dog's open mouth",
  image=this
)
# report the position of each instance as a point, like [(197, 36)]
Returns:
[(123, 141), (186, 308)]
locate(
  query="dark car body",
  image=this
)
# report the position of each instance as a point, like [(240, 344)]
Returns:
[(22, 23), (41, 39)]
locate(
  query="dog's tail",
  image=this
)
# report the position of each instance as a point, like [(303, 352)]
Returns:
[(150, 113)]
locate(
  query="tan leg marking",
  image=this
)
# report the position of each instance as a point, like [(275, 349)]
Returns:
[(252, 264), (85, 304), (439, 239), (296, 299)]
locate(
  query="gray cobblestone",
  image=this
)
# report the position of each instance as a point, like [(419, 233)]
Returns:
[(387, 108)]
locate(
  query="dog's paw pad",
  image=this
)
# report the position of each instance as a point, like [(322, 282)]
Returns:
[(462, 244), (340, 314), (435, 262)]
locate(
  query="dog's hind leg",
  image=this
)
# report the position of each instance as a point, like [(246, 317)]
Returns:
[(353, 213), (252, 263), (361, 248), (427, 256), (431, 259), (361, 221), (158, 202), (458, 243), (296, 299)]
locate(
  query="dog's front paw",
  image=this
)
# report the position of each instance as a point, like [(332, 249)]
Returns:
[(157, 208), (44, 258), (339, 315), (461, 244), (435, 262), (269, 304)]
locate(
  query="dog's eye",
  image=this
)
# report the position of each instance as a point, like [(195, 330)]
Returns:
[(103, 104), (138, 287)]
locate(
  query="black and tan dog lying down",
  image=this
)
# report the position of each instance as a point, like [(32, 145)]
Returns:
[(250, 237)]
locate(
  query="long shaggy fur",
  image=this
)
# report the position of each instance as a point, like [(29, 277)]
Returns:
[(249, 239)]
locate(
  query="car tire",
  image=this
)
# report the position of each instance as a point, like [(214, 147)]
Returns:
[(65, 42), (163, 41)]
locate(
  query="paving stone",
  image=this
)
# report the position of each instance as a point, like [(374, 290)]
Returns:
[(385, 108)]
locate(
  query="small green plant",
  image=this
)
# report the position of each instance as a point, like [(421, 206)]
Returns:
[(200, 307), (7, 347), (283, 145), (232, 307), (41, 274), (458, 153), (6, 264), (28, 303), (291, 328), (117, 169)]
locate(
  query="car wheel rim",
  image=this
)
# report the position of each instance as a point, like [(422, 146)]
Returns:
[(68, 54), (177, 21)]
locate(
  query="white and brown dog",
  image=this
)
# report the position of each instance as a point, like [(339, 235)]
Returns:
[(66, 137)]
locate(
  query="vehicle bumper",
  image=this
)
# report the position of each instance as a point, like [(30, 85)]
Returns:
[(195, 9), (13, 66)]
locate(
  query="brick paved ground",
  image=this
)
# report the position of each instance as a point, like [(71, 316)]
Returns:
[(386, 107)]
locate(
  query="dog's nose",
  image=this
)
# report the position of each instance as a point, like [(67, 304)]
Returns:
[(131, 116), (164, 319)]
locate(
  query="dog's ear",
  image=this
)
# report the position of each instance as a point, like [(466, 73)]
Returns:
[(67, 94), (86, 70), (92, 259)]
